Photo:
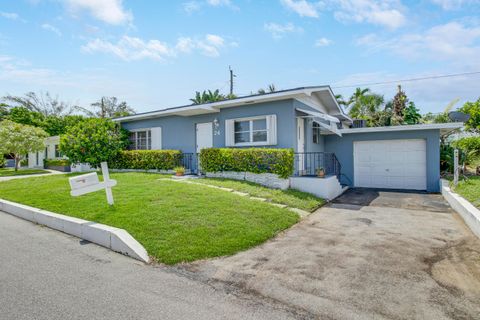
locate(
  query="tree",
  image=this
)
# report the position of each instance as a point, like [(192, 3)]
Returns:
[(366, 106), (207, 97), (43, 103), (399, 103), (18, 139), (108, 107), (411, 114), (3, 111), (441, 117), (26, 116), (93, 141), (472, 109)]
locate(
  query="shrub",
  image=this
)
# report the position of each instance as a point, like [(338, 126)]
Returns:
[(92, 141), (146, 159), (56, 162), (256, 160), (470, 146)]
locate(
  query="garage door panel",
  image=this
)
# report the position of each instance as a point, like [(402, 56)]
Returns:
[(397, 164)]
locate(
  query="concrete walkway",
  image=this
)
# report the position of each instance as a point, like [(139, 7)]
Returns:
[(367, 255), (51, 173), (46, 274)]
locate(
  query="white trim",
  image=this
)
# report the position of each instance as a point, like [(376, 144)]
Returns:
[(429, 126), (214, 106)]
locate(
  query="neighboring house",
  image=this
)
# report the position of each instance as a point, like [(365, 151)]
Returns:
[(51, 151), (310, 121)]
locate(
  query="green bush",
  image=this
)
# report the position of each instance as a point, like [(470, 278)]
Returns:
[(470, 146), (256, 160), (56, 162), (146, 159)]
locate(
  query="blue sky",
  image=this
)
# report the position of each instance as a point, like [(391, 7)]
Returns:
[(156, 54)]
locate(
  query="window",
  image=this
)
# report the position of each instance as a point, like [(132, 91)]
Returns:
[(141, 140), (316, 132), (249, 131), (254, 131), (58, 153)]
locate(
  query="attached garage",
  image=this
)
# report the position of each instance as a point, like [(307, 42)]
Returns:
[(392, 164), (398, 157)]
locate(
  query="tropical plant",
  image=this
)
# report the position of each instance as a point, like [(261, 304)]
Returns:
[(207, 97), (3, 111), (411, 114), (447, 157), (399, 104), (441, 117), (472, 109), (93, 141), (43, 103), (108, 107), (470, 146), (18, 139), (365, 106)]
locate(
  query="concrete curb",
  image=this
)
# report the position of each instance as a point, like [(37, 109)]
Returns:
[(469, 213), (112, 238)]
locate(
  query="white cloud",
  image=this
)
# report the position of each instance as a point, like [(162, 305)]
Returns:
[(278, 30), (323, 42), (108, 11), (303, 7), (387, 13), (196, 5), (51, 28), (131, 48), (453, 42), (453, 4), (10, 15)]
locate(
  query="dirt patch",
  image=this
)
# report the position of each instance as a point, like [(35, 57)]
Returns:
[(456, 266)]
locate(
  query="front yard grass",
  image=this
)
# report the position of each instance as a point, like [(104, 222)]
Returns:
[(290, 197), (175, 222), (470, 190), (8, 172)]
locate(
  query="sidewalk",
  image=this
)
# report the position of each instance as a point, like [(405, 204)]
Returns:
[(52, 172)]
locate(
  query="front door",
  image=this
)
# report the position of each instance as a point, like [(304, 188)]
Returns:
[(301, 145), (204, 136)]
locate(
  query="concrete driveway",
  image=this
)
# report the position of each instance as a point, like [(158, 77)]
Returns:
[(369, 254)]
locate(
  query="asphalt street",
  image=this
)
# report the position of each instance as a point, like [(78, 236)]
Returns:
[(45, 274)]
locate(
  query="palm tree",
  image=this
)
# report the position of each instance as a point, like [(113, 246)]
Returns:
[(207, 97), (272, 88), (365, 106)]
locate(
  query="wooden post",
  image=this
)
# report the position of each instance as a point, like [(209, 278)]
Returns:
[(106, 178), (455, 167)]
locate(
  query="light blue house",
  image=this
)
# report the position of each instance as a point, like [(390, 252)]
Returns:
[(310, 121)]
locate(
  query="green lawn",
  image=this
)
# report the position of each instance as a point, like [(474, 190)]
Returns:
[(8, 172), (175, 222), (292, 198), (470, 190)]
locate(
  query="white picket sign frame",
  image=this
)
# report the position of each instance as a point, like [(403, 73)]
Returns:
[(87, 183)]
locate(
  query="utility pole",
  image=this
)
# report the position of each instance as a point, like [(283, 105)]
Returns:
[(231, 79)]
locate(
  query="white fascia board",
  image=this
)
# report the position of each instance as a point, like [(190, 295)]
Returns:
[(413, 127), (214, 106)]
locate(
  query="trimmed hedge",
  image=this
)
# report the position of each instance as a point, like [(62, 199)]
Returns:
[(146, 159), (255, 160), (56, 162)]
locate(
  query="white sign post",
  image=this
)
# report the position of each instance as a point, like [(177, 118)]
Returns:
[(456, 168), (87, 183)]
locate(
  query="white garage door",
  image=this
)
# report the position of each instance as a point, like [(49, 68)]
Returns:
[(393, 164)]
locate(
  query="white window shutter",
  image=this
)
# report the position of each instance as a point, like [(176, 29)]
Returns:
[(156, 138), (272, 129), (229, 133)]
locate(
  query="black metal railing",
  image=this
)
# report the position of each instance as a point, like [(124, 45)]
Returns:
[(309, 163), (190, 162)]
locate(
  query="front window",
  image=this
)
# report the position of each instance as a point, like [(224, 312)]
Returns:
[(316, 132), (58, 153), (251, 131), (140, 140)]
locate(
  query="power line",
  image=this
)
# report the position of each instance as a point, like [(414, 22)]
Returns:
[(408, 80)]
